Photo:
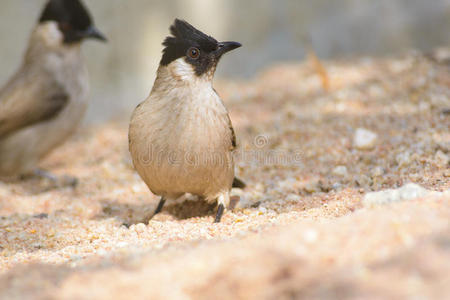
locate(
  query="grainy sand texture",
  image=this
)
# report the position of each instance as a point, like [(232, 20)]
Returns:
[(314, 146)]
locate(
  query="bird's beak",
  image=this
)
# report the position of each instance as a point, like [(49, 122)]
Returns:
[(225, 47), (93, 33)]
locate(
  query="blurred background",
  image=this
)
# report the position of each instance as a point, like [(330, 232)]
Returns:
[(122, 71)]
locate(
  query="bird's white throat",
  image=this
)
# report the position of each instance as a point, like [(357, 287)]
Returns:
[(182, 73), (50, 34), (48, 41)]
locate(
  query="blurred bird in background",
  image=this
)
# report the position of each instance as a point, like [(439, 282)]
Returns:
[(44, 102), (181, 138)]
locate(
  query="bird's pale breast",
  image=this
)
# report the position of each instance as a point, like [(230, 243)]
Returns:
[(182, 143)]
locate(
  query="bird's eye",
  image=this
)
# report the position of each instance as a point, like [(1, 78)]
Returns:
[(193, 53)]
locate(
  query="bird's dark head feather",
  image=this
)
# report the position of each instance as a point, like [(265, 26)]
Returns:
[(184, 39), (73, 19)]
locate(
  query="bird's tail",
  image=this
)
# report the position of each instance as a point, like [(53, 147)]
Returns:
[(237, 183)]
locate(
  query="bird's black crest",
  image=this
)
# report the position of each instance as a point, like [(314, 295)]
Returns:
[(71, 15), (184, 36)]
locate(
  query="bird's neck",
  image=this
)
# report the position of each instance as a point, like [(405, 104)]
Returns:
[(47, 39), (181, 75)]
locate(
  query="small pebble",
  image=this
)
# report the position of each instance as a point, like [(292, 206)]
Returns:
[(364, 139), (340, 171)]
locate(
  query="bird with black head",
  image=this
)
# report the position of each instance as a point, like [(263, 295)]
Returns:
[(181, 138), (44, 102)]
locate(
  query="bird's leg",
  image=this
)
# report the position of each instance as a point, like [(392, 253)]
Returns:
[(219, 214), (158, 209), (222, 202), (160, 206)]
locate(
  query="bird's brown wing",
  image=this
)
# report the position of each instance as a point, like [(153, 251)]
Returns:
[(29, 98), (237, 183), (230, 125), (233, 135)]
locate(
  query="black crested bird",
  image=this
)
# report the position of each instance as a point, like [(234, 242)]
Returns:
[(44, 102), (181, 138)]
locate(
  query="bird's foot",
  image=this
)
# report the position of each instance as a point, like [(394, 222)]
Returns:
[(57, 182), (222, 201), (45, 175), (158, 209)]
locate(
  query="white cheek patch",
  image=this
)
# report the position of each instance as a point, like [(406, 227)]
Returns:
[(50, 34), (183, 71), (179, 68)]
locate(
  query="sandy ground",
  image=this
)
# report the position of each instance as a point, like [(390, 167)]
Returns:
[(300, 229)]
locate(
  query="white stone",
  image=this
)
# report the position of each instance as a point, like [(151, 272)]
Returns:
[(340, 171), (407, 192), (364, 139)]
